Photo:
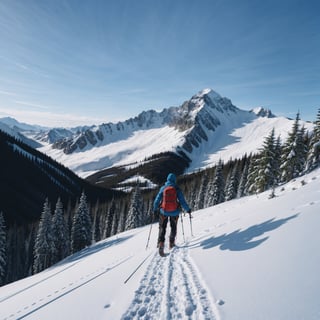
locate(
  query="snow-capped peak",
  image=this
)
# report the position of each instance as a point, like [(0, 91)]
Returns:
[(263, 112), (209, 92)]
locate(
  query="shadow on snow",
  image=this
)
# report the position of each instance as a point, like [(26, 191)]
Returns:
[(241, 240)]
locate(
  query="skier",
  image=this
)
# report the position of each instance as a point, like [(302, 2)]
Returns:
[(169, 200)]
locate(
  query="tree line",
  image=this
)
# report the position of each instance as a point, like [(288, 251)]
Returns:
[(28, 249)]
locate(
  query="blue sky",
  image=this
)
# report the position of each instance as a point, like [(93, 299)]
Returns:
[(70, 62)]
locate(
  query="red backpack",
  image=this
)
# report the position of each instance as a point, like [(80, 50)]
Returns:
[(169, 199)]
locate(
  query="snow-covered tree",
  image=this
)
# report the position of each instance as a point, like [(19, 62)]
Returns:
[(313, 159), (232, 183), (135, 213), (267, 164), (96, 236), (201, 199), (3, 252), (115, 223), (294, 153), (81, 232), (215, 194), (44, 245), (192, 195), (278, 150), (110, 216), (60, 234), (243, 178), (250, 187), (97, 226)]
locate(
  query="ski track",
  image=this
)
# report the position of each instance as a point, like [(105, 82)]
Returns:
[(38, 282), (58, 293), (171, 288)]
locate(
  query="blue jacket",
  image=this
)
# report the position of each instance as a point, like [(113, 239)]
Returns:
[(171, 181)]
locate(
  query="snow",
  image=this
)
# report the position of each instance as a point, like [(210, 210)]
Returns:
[(128, 151), (213, 94), (250, 258), (139, 179), (244, 135)]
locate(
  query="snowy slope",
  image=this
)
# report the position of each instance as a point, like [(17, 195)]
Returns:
[(129, 151), (251, 258), (206, 128), (20, 126), (14, 132)]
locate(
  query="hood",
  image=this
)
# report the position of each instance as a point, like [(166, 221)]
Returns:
[(171, 178)]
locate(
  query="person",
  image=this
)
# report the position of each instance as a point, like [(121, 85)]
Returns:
[(170, 208)]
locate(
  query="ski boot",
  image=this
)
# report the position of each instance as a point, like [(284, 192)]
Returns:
[(161, 249)]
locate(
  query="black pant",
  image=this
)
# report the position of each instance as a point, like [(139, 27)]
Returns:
[(163, 221)]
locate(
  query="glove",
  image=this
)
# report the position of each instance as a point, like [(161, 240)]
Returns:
[(189, 211)]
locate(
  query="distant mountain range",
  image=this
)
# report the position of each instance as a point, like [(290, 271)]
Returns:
[(201, 131)]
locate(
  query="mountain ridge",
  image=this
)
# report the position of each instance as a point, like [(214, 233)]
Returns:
[(201, 130), (192, 113)]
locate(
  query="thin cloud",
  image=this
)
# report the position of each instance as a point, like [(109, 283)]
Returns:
[(30, 104), (7, 93)]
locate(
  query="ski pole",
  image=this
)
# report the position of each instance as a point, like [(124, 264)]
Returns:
[(184, 240), (150, 231), (190, 224), (136, 269)]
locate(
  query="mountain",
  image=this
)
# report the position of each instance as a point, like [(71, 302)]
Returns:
[(250, 258), (196, 134), (54, 135), (20, 126), (28, 177), (263, 112), (13, 128)]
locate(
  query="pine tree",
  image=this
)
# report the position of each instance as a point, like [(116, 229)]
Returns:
[(193, 193), (123, 209), (201, 199), (115, 223), (250, 187), (293, 154), (43, 246), (302, 149), (216, 187), (81, 233), (267, 165), (60, 234), (243, 178), (96, 228), (277, 160), (233, 183), (109, 219), (313, 159), (3, 252), (135, 214)]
